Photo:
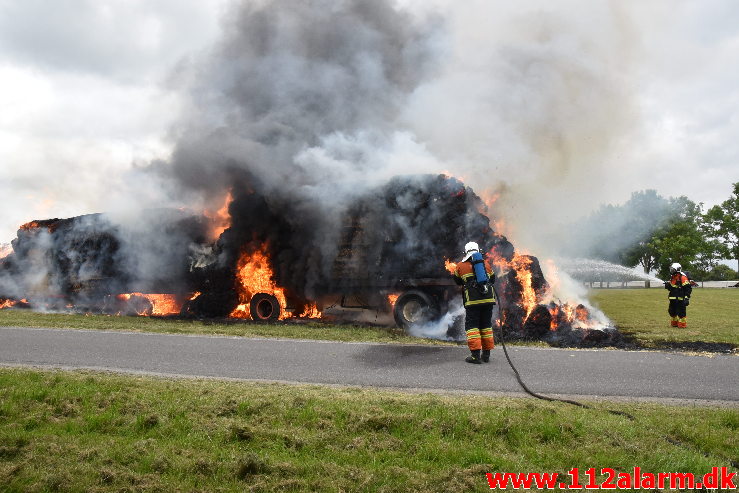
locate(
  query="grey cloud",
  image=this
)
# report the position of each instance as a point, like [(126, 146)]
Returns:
[(125, 40)]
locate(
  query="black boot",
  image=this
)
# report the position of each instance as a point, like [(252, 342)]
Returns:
[(474, 357), (486, 356)]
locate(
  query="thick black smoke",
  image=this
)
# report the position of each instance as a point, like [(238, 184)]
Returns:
[(289, 75)]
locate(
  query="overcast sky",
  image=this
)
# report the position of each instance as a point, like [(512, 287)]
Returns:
[(90, 91)]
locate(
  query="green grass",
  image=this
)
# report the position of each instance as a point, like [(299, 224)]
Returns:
[(289, 330), (713, 315), (641, 314), (85, 431)]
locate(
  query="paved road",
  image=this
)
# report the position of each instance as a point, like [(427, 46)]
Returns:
[(553, 371)]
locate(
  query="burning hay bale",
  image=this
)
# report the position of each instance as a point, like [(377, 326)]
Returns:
[(525, 312)]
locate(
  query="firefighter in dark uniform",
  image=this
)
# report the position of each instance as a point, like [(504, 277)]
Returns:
[(478, 304), (680, 288)]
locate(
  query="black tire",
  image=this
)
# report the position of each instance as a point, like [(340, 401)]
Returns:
[(264, 307), (415, 308)]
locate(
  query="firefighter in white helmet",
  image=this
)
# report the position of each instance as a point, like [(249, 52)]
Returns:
[(680, 288), (475, 274)]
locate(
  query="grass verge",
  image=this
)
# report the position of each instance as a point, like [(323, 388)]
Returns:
[(288, 330), (85, 431), (641, 314)]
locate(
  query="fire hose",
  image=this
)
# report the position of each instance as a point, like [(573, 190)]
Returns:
[(535, 394)]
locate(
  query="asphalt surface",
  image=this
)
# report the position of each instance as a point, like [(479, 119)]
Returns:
[(590, 373)]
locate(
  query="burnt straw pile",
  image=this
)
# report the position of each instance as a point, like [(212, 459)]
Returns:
[(389, 249)]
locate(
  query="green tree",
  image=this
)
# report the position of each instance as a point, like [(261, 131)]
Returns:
[(643, 253), (647, 211), (710, 253), (680, 239), (722, 273), (723, 223), (620, 233)]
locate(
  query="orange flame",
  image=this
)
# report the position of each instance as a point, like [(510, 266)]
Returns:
[(567, 314), (164, 304), (554, 312), (241, 311), (254, 275), (450, 266), (523, 274), (161, 304), (392, 298), (7, 303), (311, 311), (221, 218), (521, 264), (30, 225), (51, 225)]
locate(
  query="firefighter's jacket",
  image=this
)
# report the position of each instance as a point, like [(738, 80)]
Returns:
[(679, 286), (464, 275)]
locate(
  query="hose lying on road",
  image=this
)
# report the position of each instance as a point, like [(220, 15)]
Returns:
[(539, 396)]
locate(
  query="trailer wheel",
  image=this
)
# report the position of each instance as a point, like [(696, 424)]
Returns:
[(264, 307), (415, 308)]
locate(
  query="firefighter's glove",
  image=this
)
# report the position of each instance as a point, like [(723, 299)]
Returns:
[(686, 301), (667, 284)]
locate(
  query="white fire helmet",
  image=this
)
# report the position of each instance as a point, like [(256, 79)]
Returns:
[(469, 249), (676, 268)]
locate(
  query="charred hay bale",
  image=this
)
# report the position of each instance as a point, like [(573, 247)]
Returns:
[(538, 323), (85, 258), (508, 289), (538, 282), (512, 320), (608, 336), (585, 337), (420, 220), (212, 304), (503, 248)]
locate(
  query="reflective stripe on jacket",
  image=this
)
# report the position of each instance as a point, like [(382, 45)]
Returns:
[(679, 286), (464, 275)]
